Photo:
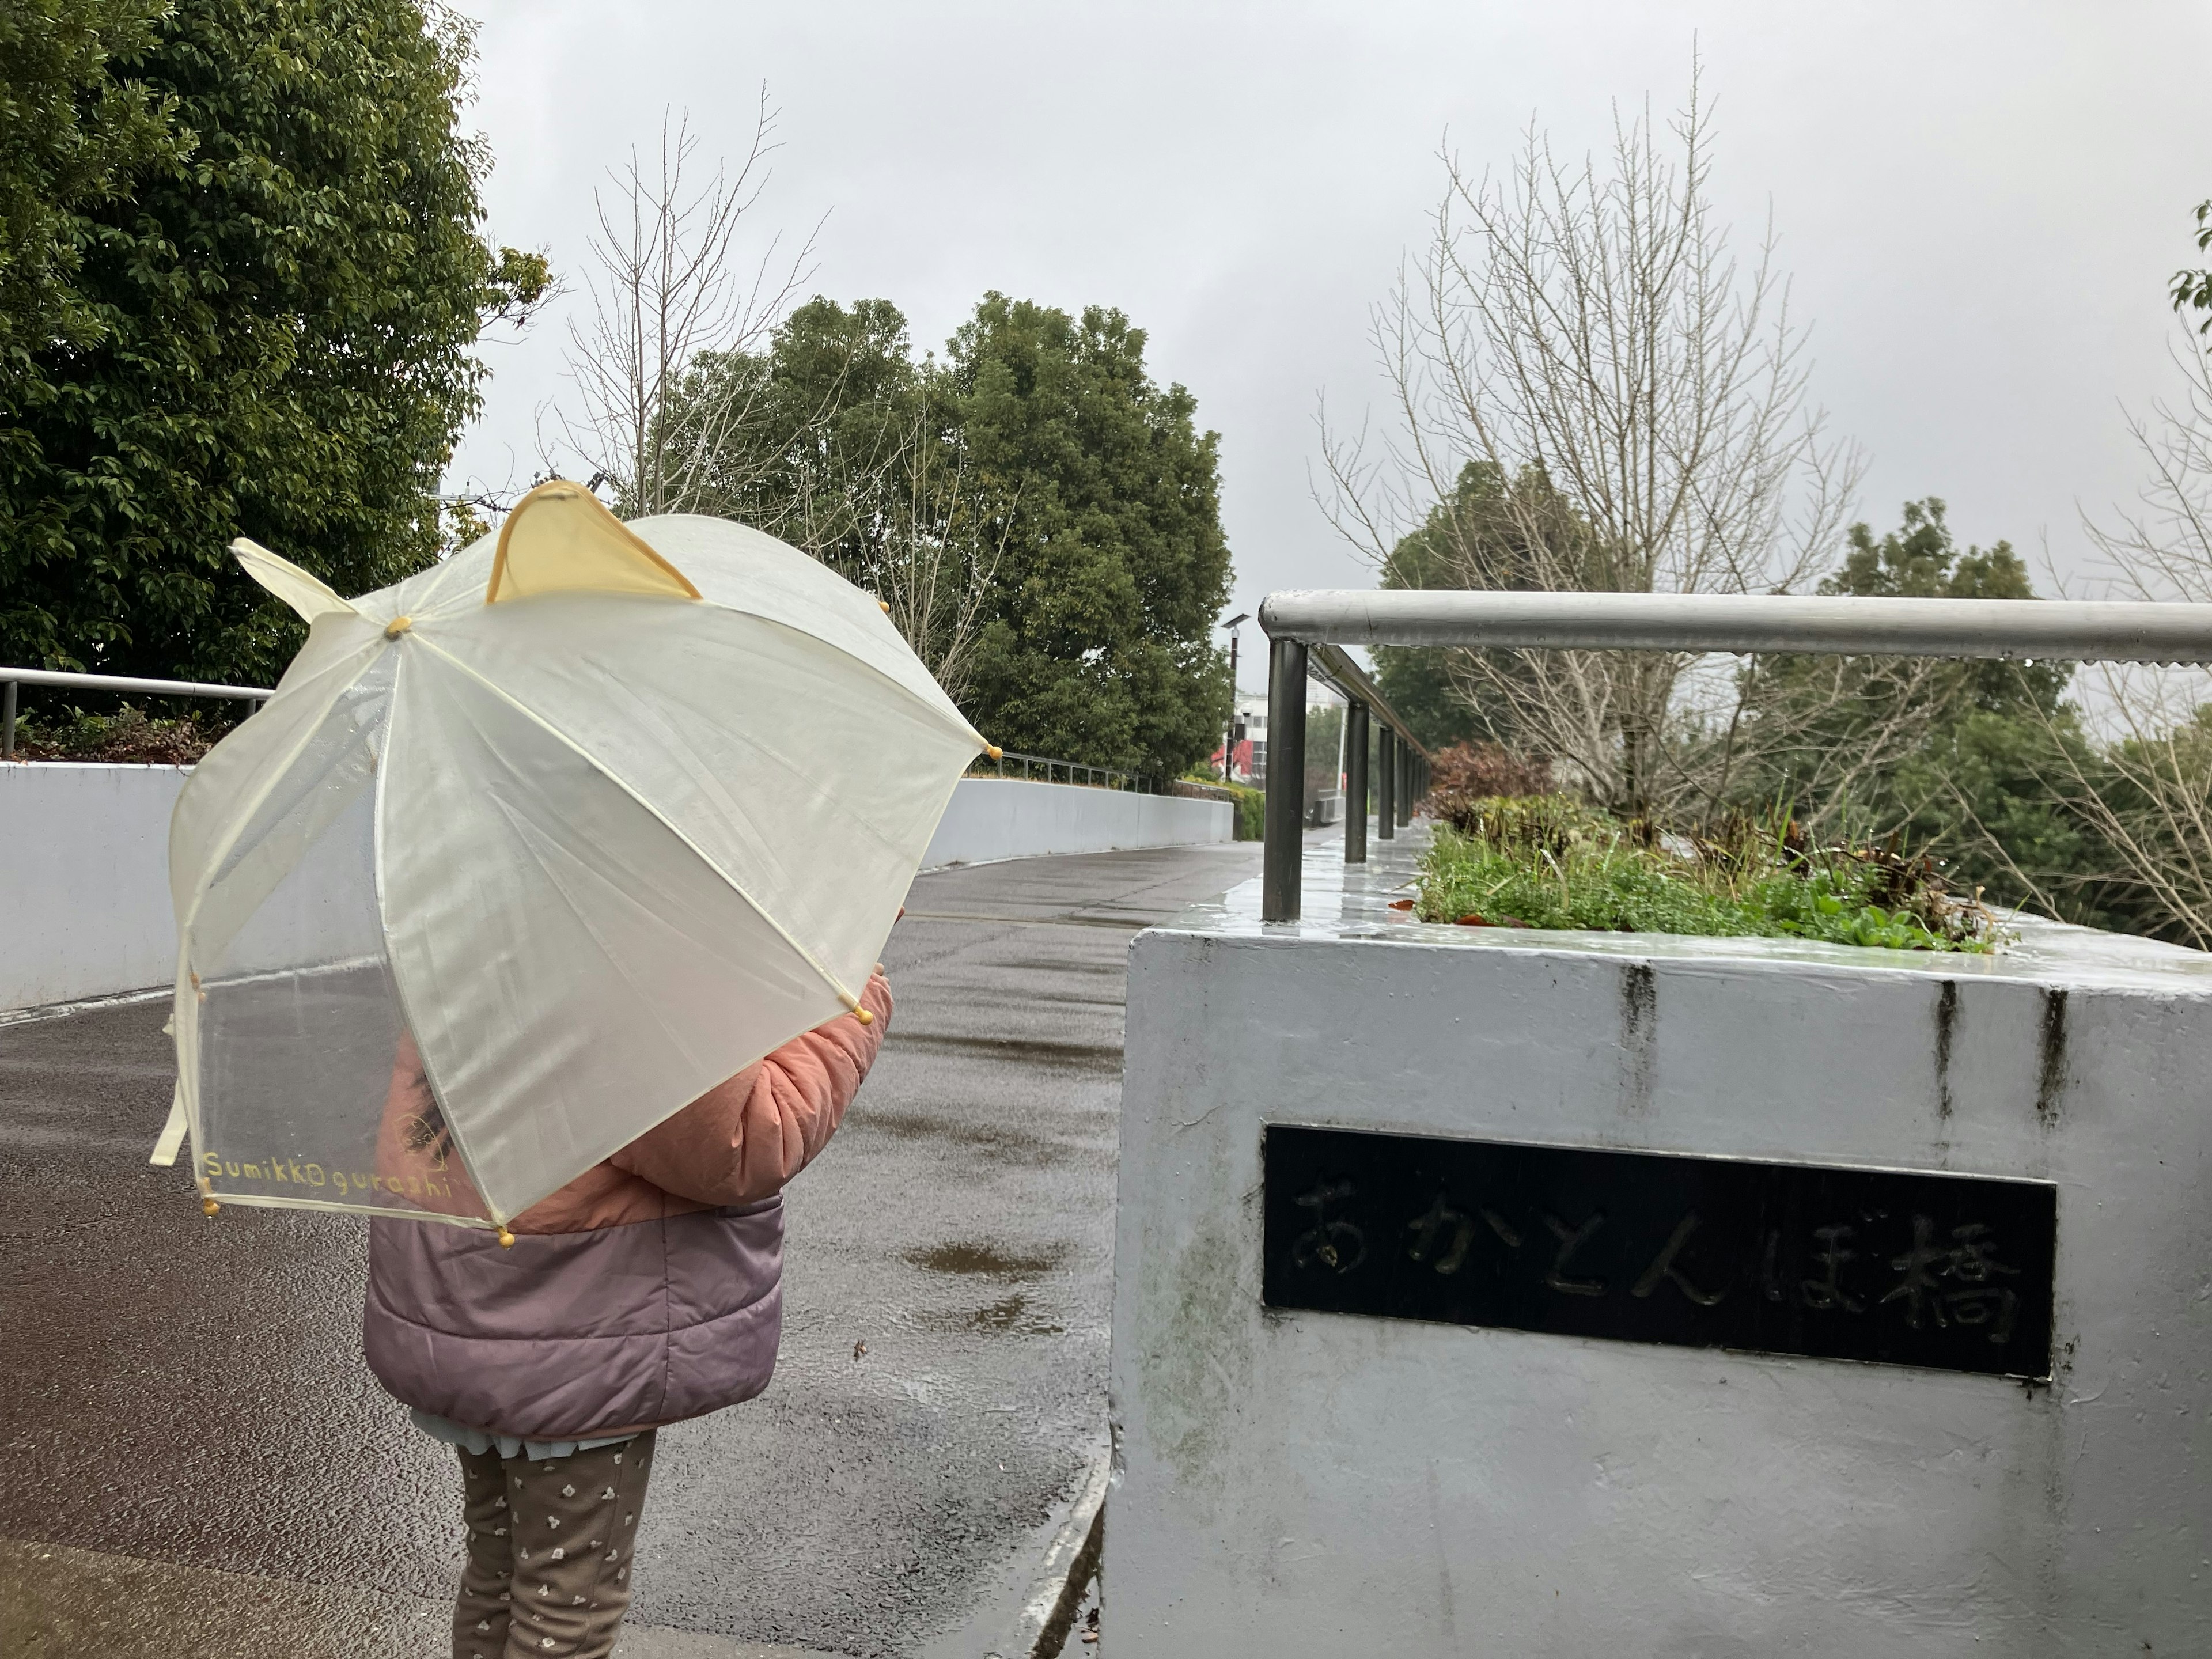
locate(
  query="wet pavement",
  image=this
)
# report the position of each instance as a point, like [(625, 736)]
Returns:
[(193, 1458)]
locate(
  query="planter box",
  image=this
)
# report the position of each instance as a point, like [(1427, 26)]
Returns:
[(1296, 1482)]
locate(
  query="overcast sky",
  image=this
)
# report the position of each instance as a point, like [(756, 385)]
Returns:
[(1979, 205)]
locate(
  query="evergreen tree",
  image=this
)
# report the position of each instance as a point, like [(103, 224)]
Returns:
[(1473, 540), (1040, 517), (267, 278), (1981, 741), (1098, 646)]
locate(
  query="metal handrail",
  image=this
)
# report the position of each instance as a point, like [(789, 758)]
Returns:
[(2079, 630), (1113, 777), (1300, 623), (11, 678)]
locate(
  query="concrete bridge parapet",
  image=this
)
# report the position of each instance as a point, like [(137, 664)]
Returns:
[(1411, 1390)]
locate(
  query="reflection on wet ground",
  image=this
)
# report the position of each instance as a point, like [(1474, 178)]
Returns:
[(1005, 1143), (998, 1262), (1009, 1315), (1086, 1056)]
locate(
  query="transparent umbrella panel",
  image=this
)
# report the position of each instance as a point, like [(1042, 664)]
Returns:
[(307, 1089)]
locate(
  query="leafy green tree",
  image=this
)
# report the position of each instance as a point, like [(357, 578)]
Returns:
[(1960, 758), (816, 430), (1042, 519), (1098, 644), (72, 135), (1477, 538), (267, 294), (835, 439)]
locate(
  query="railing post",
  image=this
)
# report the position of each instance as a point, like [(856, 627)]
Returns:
[(1355, 783), (1405, 785), (1386, 783), (8, 722), (1284, 843)]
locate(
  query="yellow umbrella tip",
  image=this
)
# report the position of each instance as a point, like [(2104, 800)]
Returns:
[(506, 1239), (993, 750), (864, 1016), (398, 626), (884, 605), (209, 1206)]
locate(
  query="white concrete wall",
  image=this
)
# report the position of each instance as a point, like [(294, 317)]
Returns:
[(84, 880), (993, 819), (84, 884), (1302, 1484)]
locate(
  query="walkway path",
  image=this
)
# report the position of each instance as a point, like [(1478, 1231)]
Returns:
[(193, 1459)]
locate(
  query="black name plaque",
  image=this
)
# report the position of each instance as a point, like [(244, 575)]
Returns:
[(1950, 1272)]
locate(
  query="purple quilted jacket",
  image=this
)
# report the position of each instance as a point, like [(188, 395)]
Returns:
[(647, 1291)]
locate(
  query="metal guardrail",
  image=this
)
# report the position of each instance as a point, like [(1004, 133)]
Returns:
[(2069, 629), (1302, 623), (12, 678), (1401, 761), (1101, 777)]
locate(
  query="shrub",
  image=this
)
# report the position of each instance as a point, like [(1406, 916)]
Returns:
[(1468, 772), (129, 737), (1251, 812)]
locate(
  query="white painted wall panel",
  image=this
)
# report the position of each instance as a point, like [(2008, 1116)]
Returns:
[(1299, 1483), (84, 880), (993, 819)]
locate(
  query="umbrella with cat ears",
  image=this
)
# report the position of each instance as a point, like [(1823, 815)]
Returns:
[(530, 850)]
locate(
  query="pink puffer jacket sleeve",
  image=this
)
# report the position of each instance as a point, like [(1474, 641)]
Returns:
[(743, 1139)]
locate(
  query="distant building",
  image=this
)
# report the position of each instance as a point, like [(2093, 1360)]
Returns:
[(1248, 760)]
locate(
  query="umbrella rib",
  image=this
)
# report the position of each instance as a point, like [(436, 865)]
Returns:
[(658, 816)]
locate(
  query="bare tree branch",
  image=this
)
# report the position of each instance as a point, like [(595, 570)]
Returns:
[(1639, 395), (666, 292)]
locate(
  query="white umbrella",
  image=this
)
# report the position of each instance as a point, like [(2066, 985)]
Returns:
[(598, 814)]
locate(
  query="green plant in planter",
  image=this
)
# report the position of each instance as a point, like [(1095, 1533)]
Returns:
[(1549, 861)]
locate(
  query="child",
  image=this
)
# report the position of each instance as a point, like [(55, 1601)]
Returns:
[(645, 1292)]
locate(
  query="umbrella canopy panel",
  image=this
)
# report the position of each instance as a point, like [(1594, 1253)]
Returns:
[(288, 1004), (514, 867)]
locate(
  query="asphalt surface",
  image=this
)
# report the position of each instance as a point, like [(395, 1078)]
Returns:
[(194, 1459)]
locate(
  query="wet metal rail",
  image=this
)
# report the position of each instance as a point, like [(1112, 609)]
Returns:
[(1101, 777), (1402, 763), (1304, 624), (12, 678)]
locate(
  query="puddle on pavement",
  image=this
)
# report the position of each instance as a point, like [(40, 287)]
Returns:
[(1064, 1056), (1010, 1316), (977, 1256)]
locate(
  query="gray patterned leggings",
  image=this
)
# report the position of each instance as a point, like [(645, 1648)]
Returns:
[(549, 1547)]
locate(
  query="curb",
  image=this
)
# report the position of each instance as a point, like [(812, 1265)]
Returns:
[(1056, 1592)]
